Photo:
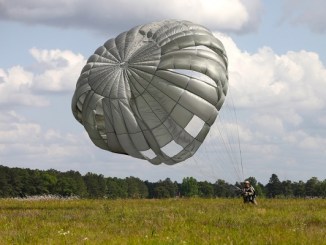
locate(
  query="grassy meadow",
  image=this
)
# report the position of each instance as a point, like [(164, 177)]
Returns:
[(169, 221)]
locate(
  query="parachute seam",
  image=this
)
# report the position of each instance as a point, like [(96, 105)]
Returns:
[(168, 113), (185, 89)]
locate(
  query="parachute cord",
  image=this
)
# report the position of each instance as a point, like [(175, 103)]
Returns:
[(228, 148), (207, 166), (220, 156), (199, 170), (239, 144), (231, 137)]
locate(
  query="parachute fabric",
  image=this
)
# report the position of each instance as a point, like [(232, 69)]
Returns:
[(136, 96)]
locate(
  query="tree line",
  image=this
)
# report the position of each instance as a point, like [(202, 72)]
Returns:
[(21, 182)]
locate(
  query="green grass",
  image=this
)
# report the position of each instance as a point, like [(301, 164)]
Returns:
[(172, 221)]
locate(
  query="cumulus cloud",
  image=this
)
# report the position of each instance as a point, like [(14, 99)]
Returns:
[(306, 13), (54, 71), (25, 139), (60, 69), (16, 88), (28, 140), (117, 15), (267, 80)]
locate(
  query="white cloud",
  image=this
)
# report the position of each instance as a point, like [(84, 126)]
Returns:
[(306, 13), (54, 71), (316, 143), (322, 120), (269, 124), (60, 69), (116, 15), (306, 141), (24, 139), (266, 79), (16, 88)]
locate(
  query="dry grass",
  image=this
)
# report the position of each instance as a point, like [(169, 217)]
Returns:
[(172, 221)]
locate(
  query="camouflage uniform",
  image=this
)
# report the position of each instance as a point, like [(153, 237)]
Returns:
[(249, 195)]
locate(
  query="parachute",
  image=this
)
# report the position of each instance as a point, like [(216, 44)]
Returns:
[(156, 87)]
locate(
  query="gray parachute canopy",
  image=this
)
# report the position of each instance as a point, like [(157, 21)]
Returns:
[(156, 87)]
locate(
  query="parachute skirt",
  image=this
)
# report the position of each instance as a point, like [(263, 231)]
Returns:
[(154, 87)]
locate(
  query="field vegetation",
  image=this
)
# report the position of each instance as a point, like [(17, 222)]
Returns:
[(162, 221)]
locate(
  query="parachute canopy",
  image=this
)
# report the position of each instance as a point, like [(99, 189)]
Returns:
[(154, 87)]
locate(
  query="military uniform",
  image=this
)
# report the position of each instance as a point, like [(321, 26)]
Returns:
[(249, 195)]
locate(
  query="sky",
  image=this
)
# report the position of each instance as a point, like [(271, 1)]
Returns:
[(277, 75)]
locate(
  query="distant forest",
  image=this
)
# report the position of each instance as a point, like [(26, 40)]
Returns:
[(21, 182)]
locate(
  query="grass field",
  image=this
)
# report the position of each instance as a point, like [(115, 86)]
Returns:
[(171, 221)]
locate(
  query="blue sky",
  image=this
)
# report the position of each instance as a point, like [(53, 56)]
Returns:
[(277, 72)]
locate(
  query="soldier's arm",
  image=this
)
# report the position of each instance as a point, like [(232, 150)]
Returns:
[(251, 191)]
